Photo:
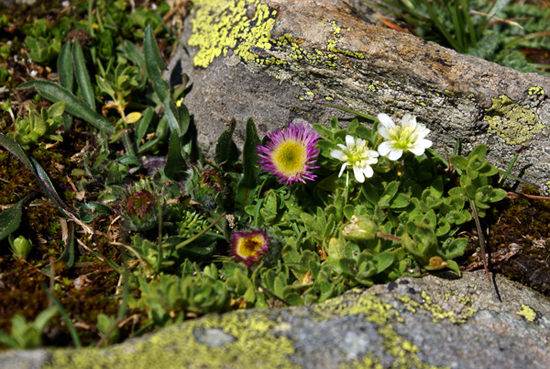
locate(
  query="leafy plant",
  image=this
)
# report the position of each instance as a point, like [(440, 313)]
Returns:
[(26, 335), (38, 127)]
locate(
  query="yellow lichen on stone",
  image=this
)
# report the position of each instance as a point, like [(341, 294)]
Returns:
[(250, 339), (535, 90), (220, 26), (377, 311), (511, 121), (437, 306), (528, 313)]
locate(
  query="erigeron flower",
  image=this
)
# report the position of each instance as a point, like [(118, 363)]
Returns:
[(249, 247), (291, 153), (409, 136), (357, 155)]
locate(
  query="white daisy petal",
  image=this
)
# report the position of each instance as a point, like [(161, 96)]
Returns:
[(384, 148), (395, 154), (350, 141), (358, 174), (337, 154), (342, 169), (386, 121), (417, 151), (368, 171)]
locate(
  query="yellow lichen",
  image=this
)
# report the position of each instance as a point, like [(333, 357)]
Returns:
[(220, 26), (178, 347), (535, 90), (528, 313), (434, 305), (511, 121)]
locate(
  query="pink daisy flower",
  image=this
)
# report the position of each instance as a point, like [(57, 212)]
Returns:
[(249, 247), (291, 153)]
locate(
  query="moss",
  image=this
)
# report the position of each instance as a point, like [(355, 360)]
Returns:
[(511, 121)]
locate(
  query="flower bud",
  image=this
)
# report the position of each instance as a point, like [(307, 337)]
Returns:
[(360, 229), (21, 247)]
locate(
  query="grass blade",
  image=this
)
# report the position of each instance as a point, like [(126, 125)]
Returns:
[(65, 317)]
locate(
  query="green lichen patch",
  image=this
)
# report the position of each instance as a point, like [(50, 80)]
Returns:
[(442, 306), (239, 26), (381, 313), (535, 91), (528, 313), (511, 121), (253, 346)]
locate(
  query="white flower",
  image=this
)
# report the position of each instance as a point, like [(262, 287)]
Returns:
[(357, 154), (409, 136)]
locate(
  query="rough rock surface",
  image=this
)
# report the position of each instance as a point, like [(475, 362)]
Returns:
[(279, 60), (430, 322)]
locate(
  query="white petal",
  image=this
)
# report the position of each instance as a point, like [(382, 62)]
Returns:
[(425, 143), (423, 132), (358, 174), (368, 171), (350, 141), (408, 120), (342, 169), (343, 147), (417, 151), (337, 154), (384, 148), (395, 154), (370, 161), (386, 121)]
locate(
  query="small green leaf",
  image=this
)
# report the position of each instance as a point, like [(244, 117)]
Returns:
[(459, 162), (383, 261)]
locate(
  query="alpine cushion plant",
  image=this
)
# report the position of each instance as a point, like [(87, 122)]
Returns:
[(291, 153), (410, 136), (249, 247), (357, 155)]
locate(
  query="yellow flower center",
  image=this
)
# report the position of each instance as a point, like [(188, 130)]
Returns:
[(404, 138), (249, 246), (289, 158)]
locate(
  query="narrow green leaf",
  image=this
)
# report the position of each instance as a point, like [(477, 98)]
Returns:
[(48, 187), (82, 76), (143, 124), (10, 219), (175, 162), (65, 67), (226, 150), (75, 106), (173, 117), (251, 168), (153, 61), (66, 318)]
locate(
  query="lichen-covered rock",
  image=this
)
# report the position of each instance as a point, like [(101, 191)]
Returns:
[(430, 322), (280, 60)]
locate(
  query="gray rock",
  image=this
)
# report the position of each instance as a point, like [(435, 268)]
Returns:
[(431, 322), (280, 60)]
